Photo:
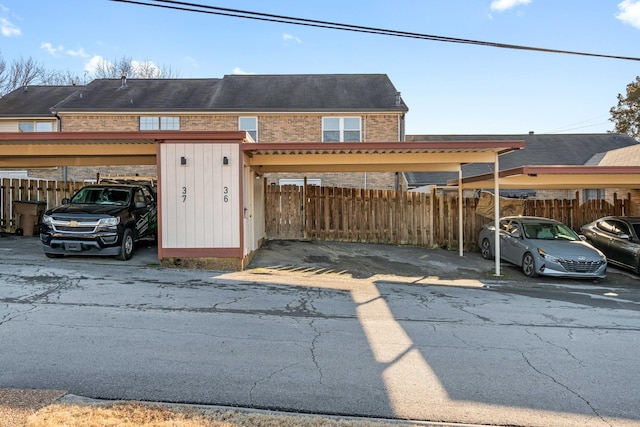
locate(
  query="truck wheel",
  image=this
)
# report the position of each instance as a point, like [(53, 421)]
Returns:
[(126, 246)]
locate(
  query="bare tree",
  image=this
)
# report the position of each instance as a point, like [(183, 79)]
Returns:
[(126, 66), (24, 72), (3, 74), (61, 78)]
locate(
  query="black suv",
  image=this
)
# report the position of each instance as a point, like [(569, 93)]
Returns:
[(100, 219)]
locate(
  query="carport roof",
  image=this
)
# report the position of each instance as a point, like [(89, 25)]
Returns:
[(48, 149), (558, 177), (373, 156)]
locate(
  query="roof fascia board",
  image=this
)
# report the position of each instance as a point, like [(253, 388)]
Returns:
[(116, 111), (96, 160), (353, 167)]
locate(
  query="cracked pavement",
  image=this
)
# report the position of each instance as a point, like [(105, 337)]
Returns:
[(368, 330)]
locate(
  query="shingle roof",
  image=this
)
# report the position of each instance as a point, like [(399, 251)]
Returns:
[(34, 101), (256, 93), (539, 149)]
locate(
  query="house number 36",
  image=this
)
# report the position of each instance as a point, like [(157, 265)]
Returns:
[(225, 192)]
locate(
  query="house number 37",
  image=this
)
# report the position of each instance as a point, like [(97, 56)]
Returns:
[(184, 194)]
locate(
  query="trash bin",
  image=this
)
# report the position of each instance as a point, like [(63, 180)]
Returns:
[(30, 214)]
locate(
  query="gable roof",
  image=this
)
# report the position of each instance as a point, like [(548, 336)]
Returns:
[(238, 93), (539, 149), (33, 101)]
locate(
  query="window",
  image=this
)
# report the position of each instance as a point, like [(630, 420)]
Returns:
[(35, 126), (594, 194), (159, 123), (341, 129), (250, 125)]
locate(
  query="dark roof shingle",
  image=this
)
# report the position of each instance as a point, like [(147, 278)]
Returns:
[(34, 101), (255, 93), (539, 149)]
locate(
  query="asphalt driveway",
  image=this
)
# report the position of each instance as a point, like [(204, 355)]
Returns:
[(329, 328)]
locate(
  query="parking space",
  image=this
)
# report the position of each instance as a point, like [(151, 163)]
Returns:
[(354, 260)]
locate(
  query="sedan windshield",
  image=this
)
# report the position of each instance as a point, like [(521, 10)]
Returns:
[(549, 231)]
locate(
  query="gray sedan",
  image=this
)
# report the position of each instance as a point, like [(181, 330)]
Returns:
[(542, 246)]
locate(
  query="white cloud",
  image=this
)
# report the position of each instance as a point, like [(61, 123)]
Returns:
[(502, 5), (79, 52), (94, 63), (145, 69), (53, 51), (7, 29), (629, 12), (288, 37), (237, 70), (191, 61)]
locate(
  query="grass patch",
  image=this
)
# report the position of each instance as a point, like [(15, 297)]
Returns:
[(126, 414)]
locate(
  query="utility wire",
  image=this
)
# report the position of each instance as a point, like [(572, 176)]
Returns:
[(236, 13)]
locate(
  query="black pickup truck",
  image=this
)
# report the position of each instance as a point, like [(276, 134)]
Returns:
[(100, 219)]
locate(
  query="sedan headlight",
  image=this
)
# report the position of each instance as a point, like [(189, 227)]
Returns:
[(548, 257), (109, 222)]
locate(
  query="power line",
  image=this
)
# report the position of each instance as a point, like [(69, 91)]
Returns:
[(237, 13)]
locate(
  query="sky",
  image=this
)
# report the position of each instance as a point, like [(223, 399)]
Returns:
[(450, 88)]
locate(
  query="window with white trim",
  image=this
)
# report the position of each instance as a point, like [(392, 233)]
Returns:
[(250, 125), (35, 126), (341, 129), (159, 123)]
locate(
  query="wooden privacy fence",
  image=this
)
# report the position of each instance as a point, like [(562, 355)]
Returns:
[(348, 214), (402, 218), (50, 193)]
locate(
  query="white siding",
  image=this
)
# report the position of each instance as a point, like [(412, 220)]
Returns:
[(6, 126), (195, 211)]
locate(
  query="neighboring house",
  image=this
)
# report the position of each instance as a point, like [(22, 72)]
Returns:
[(328, 108), (540, 149)]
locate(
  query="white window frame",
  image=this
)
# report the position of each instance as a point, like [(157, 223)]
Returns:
[(252, 129), (159, 123), (341, 128), (36, 125)]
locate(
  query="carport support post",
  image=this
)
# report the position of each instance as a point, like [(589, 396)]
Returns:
[(496, 213), (460, 219)]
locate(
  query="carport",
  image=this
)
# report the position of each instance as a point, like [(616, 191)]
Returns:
[(148, 148), (552, 177)]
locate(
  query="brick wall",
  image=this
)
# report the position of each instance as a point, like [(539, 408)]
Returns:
[(99, 123), (369, 180), (271, 128)]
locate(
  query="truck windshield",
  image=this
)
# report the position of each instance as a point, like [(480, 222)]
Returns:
[(102, 196)]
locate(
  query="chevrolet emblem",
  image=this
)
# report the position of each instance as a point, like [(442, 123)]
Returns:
[(73, 223)]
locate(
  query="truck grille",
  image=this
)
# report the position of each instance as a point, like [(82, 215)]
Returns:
[(76, 225)]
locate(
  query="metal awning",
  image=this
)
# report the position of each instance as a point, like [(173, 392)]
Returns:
[(374, 156), (558, 177), (51, 149)]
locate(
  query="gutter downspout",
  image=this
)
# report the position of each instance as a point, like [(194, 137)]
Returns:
[(64, 168)]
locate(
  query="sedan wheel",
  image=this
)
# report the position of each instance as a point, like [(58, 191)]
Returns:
[(485, 249), (529, 265)]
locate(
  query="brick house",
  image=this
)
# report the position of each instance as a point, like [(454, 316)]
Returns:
[(271, 108)]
